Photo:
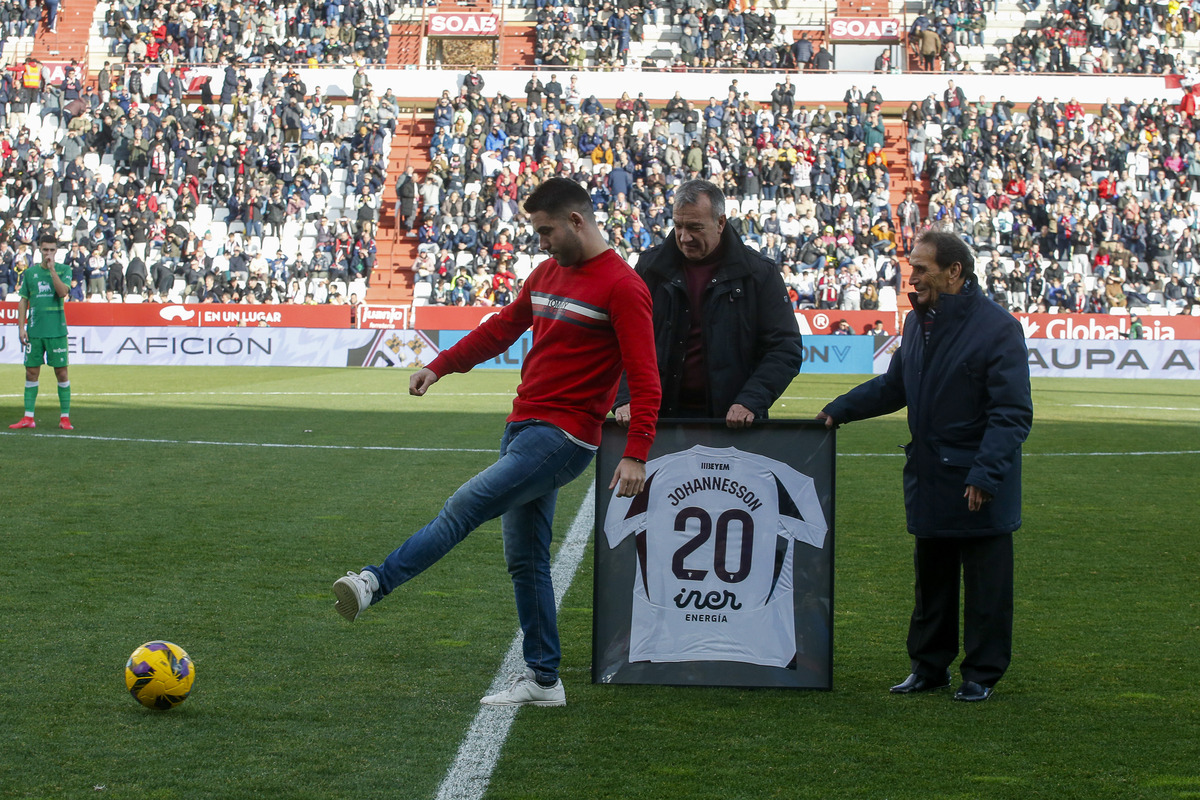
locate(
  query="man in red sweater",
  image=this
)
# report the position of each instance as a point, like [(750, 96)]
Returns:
[(590, 315)]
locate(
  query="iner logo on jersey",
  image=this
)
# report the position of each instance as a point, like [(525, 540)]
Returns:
[(727, 548), (713, 601)]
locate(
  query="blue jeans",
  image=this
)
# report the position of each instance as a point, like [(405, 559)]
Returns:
[(535, 460)]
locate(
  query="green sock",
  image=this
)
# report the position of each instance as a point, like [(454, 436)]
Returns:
[(31, 389), (64, 398)]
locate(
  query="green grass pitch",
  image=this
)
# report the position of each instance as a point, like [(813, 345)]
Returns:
[(172, 513)]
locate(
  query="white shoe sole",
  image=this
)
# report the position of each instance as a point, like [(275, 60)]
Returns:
[(346, 599), (542, 703)]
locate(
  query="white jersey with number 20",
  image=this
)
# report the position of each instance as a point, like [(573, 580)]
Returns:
[(714, 530)]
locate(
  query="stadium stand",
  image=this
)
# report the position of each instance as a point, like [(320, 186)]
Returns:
[(167, 183)]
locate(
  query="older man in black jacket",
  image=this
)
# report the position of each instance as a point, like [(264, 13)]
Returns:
[(962, 371), (727, 340)]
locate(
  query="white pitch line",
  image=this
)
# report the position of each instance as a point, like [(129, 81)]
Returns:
[(269, 394), (397, 449), (468, 777), (1135, 408), (388, 448)]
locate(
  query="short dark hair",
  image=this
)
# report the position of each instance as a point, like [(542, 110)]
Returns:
[(690, 192), (47, 238), (948, 248), (560, 197)]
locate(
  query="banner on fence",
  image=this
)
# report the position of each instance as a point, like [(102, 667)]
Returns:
[(197, 315), (250, 347), (1076, 358)]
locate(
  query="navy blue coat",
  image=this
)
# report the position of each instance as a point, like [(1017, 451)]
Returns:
[(969, 410)]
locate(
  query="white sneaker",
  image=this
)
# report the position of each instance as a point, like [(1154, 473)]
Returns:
[(525, 691), (353, 593)]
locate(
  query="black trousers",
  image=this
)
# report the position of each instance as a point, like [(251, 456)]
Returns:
[(985, 564)]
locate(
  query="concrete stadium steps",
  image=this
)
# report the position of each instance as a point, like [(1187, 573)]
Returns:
[(518, 41), (391, 281), (864, 8), (74, 26), (902, 302), (896, 145), (404, 47)]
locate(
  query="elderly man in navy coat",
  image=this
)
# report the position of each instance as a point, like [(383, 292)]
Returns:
[(962, 371)]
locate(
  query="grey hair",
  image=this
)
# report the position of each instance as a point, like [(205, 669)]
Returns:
[(690, 192)]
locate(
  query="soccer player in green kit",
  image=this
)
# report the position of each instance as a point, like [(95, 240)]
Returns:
[(42, 328)]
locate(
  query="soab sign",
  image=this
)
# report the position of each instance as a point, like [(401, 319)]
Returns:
[(453, 24), (864, 29)]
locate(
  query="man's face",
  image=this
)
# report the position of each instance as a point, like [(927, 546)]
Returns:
[(929, 280), (559, 236), (48, 253), (696, 232)]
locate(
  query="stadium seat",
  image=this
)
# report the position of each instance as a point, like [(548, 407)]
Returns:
[(134, 298), (522, 265), (203, 218), (887, 298)]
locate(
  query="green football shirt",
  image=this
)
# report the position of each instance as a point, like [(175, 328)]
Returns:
[(47, 317)]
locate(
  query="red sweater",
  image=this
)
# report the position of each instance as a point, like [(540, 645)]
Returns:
[(590, 322)]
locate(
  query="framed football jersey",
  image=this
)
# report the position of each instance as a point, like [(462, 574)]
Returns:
[(720, 572)]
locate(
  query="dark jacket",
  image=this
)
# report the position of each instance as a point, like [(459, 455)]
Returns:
[(752, 340), (969, 410)]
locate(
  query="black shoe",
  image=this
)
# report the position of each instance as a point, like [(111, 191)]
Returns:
[(920, 683), (972, 692)]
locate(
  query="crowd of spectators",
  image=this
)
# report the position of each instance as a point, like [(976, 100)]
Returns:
[(1074, 210), (1070, 210), (809, 187), (25, 18), (1074, 37), (266, 192), (708, 36), (262, 192), (310, 32)]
